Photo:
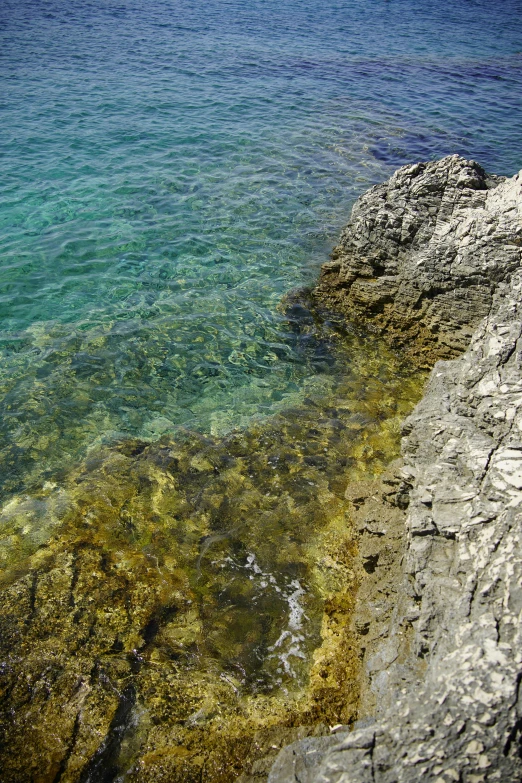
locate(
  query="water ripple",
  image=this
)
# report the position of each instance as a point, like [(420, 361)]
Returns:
[(171, 169)]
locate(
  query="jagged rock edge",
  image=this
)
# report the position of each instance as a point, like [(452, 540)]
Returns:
[(449, 706)]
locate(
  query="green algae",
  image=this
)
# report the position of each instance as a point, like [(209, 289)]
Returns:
[(168, 602)]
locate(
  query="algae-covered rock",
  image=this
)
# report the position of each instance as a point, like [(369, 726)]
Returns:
[(186, 610)]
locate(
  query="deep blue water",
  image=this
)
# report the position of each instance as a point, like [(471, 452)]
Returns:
[(171, 168)]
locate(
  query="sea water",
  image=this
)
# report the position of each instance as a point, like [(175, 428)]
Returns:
[(170, 170)]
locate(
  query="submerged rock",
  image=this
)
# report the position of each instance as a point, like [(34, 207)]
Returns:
[(431, 256), (184, 610)]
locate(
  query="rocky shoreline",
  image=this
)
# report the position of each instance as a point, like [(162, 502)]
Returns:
[(126, 655), (432, 259)]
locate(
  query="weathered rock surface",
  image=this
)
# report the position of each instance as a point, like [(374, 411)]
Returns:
[(423, 254), (444, 668)]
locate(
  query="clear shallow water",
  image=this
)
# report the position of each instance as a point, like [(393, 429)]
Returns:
[(170, 169), (201, 586)]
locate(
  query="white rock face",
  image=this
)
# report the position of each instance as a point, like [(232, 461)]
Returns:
[(447, 679)]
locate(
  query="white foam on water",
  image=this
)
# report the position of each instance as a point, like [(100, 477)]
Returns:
[(290, 644)]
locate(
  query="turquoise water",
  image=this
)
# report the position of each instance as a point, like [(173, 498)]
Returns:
[(174, 452), (170, 169)]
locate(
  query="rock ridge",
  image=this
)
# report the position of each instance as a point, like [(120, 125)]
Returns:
[(441, 700)]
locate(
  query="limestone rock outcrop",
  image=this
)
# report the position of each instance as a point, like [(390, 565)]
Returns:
[(445, 675), (423, 254)]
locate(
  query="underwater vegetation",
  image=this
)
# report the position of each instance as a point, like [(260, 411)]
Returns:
[(175, 606)]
